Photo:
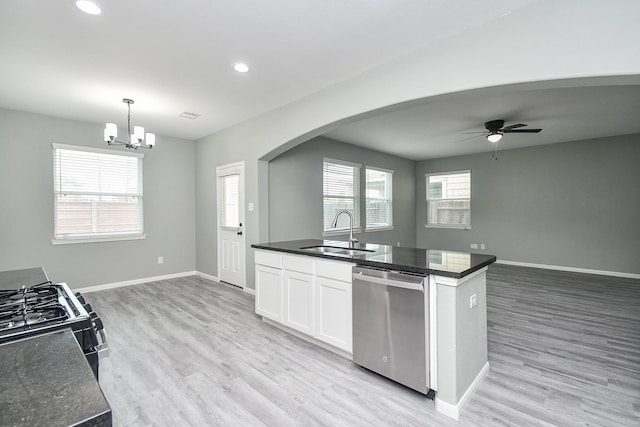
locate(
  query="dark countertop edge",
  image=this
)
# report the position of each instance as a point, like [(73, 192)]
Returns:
[(376, 264)]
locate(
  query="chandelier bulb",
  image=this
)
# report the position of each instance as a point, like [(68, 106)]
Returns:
[(151, 139)]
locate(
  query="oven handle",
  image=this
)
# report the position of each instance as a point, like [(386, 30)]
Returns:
[(103, 347)]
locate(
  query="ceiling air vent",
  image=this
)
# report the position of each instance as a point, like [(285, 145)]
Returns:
[(188, 115)]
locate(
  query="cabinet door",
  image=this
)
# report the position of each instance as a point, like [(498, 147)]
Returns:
[(299, 308), (269, 292), (334, 313)]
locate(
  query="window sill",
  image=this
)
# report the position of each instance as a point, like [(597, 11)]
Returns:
[(450, 227), (72, 241), (388, 227)]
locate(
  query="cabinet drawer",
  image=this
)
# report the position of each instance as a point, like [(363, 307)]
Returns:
[(337, 270), (268, 258), (302, 264)]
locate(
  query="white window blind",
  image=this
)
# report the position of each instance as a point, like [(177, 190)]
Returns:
[(449, 199), (341, 184), (379, 203), (98, 193), (230, 199)]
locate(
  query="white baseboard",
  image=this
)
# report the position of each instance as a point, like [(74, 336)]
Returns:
[(106, 286), (215, 279), (570, 269), (134, 282), (207, 276), (454, 411)]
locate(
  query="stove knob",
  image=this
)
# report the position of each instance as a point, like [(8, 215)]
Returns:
[(87, 307), (98, 323), (80, 298)]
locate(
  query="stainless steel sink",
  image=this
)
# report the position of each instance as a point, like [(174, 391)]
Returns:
[(336, 250)]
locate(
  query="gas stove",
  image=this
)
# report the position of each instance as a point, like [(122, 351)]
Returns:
[(30, 304)]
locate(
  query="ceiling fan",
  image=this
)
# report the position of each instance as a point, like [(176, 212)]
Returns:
[(496, 129)]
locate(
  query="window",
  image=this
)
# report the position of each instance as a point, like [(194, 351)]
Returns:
[(449, 200), (379, 206), (340, 191), (230, 186), (98, 194)]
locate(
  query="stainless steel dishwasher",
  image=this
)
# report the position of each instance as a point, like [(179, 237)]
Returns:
[(390, 326)]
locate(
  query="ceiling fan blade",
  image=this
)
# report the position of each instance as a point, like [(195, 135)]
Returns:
[(468, 138), (522, 131), (508, 128)]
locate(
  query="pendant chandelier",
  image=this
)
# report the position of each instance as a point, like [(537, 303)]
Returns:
[(135, 139)]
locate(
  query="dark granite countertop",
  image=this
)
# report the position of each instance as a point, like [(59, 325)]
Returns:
[(46, 381), (412, 260)]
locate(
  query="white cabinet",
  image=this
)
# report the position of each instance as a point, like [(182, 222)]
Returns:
[(269, 285), (306, 294), (334, 313), (269, 292), (298, 293), (333, 295), (299, 307)]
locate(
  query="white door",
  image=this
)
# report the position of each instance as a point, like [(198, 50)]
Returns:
[(231, 239)]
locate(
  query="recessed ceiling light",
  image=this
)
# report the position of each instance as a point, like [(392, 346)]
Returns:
[(241, 67), (88, 6)]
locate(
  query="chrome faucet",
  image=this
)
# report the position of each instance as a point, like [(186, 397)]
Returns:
[(334, 224)]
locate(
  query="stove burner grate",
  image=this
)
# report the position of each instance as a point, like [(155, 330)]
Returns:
[(27, 307)]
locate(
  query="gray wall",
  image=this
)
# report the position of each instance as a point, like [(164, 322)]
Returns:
[(216, 150), (26, 215), (439, 68), (573, 204), (295, 179)]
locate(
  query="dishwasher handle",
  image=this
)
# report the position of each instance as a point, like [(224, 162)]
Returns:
[(389, 282)]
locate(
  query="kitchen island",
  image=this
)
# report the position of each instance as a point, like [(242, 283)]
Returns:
[(411, 260), (304, 287)]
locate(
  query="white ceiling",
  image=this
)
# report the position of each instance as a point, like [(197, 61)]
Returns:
[(438, 127), (172, 57)]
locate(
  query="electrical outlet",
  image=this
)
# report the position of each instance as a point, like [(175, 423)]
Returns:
[(474, 246), (481, 245), (473, 300), (398, 244), (160, 260)]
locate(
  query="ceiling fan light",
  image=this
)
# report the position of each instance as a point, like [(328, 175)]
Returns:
[(494, 137)]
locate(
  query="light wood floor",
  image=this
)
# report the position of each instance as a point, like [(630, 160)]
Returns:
[(564, 350)]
